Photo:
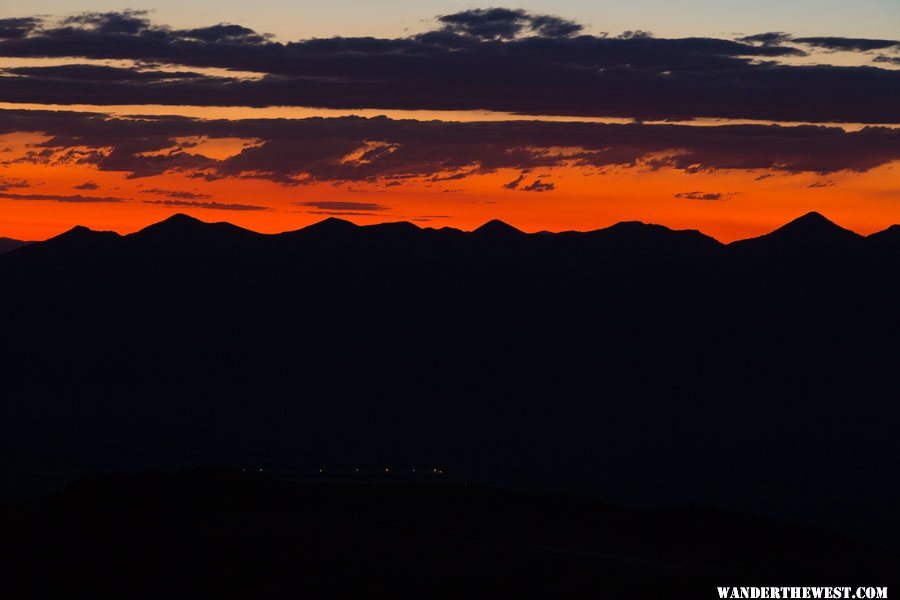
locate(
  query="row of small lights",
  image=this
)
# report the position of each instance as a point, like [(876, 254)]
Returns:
[(435, 471)]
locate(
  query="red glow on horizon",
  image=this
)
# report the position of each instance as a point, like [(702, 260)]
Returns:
[(750, 203)]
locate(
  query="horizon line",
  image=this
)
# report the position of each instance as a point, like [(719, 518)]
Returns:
[(183, 215)]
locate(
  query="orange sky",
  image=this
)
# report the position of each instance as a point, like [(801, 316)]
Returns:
[(583, 199)]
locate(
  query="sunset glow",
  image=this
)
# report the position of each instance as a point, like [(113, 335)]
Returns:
[(75, 148)]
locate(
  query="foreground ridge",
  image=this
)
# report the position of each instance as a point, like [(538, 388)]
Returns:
[(332, 537)]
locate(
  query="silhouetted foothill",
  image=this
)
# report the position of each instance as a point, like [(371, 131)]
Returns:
[(215, 532), (7, 244), (888, 239)]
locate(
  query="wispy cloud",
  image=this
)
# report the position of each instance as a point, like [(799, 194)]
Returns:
[(177, 194), (76, 198), (704, 195), (207, 205), (342, 206)]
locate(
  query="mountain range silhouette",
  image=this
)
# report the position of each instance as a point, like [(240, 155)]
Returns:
[(640, 365), (811, 231)]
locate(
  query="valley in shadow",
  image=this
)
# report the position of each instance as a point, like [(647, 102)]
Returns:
[(646, 367)]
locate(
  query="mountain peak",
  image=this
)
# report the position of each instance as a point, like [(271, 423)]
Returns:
[(891, 232), (635, 226), (177, 225), (179, 218), (813, 216), (887, 238), (648, 237), (812, 231), (394, 227), (183, 231), (179, 222), (497, 227), (812, 219), (79, 238), (176, 222), (331, 224), (814, 226), (80, 232)]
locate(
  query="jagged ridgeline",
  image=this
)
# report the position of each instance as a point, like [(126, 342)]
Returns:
[(639, 364)]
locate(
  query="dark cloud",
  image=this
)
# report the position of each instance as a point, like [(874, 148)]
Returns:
[(87, 185), (207, 205), (506, 24), (497, 59), (19, 27), (101, 73), (177, 194), (821, 184), (453, 177), (539, 186), (515, 182), (891, 60), (225, 32), (78, 199), (125, 22), (635, 34), (7, 183), (343, 213), (833, 44), (298, 151), (848, 44), (767, 39), (343, 206), (704, 195)]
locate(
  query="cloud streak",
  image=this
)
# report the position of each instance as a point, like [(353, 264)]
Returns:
[(705, 196), (343, 206), (74, 198), (207, 205), (7, 183), (177, 194)]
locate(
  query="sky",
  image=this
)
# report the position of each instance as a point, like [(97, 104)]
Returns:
[(291, 20), (728, 117)]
